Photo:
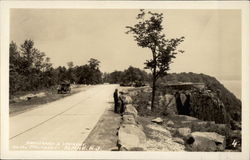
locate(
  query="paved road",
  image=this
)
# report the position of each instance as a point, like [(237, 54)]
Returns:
[(62, 124)]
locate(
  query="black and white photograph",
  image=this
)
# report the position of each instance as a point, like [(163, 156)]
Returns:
[(139, 79)]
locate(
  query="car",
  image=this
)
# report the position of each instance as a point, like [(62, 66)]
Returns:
[(64, 88)]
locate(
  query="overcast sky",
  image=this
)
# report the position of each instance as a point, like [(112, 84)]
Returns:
[(212, 38)]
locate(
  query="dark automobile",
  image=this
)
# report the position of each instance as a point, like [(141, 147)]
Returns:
[(63, 88)]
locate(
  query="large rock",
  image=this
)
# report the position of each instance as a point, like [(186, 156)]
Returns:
[(203, 126), (170, 123), (131, 138), (184, 132), (159, 128), (147, 89), (185, 118), (178, 140), (169, 103), (130, 110), (128, 119), (204, 123), (41, 94), (157, 120), (133, 93), (187, 123), (126, 99), (206, 141), (183, 98)]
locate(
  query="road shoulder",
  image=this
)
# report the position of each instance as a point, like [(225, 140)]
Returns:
[(104, 135)]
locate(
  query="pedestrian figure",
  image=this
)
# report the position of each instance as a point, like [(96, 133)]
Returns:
[(122, 104), (116, 101)]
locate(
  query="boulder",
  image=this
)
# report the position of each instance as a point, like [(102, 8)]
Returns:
[(15, 100), (186, 118), (206, 141), (126, 99), (186, 122), (130, 110), (183, 98), (149, 107), (203, 123), (131, 138), (41, 94), (139, 126), (157, 120), (147, 89), (159, 128), (170, 123), (133, 93), (169, 103), (184, 132), (128, 119), (178, 140), (171, 129)]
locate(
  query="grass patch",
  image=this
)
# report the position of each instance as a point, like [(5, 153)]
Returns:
[(50, 96)]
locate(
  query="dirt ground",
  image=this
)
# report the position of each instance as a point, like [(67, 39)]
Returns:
[(50, 96)]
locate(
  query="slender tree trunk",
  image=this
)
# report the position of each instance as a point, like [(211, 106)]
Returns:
[(153, 95), (154, 80)]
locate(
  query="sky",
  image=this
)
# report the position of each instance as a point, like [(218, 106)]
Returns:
[(212, 38)]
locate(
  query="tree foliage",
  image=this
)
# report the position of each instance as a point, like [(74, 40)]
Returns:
[(128, 76), (31, 70), (29, 67), (147, 32)]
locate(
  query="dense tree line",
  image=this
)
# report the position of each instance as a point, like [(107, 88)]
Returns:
[(31, 70), (129, 76)]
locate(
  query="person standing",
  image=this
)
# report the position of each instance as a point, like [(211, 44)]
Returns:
[(116, 100), (122, 105)]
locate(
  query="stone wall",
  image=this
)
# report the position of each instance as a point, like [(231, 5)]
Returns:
[(130, 133)]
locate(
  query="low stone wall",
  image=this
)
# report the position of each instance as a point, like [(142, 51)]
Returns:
[(130, 133)]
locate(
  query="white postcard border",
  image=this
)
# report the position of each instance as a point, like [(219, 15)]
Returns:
[(6, 6)]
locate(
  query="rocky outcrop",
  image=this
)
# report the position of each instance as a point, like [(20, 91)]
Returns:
[(207, 106), (202, 104), (206, 141)]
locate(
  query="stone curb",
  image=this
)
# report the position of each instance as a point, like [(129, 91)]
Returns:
[(130, 133)]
